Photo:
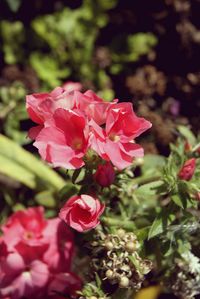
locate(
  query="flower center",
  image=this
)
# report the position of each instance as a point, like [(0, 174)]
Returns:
[(114, 138), (28, 235), (77, 144)]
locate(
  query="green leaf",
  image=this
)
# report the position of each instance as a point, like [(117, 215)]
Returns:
[(67, 191), (149, 189), (17, 163), (156, 228), (46, 199), (160, 224), (178, 201), (76, 175), (187, 133), (14, 4), (17, 172), (153, 164)]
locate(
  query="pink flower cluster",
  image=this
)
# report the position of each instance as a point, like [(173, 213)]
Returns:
[(35, 257), (71, 123)]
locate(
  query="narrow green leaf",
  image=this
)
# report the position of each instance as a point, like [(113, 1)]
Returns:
[(25, 168), (187, 133), (17, 172)]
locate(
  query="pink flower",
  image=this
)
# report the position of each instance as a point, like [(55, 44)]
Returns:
[(25, 226), (41, 106), (116, 142), (34, 253), (21, 278), (187, 170), (70, 86), (105, 174), (64, 141), (64, 283), (93, 106), (58, 256), (69, 123), (82, 212)]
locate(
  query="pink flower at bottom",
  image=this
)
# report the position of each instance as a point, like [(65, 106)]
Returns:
[(58, 256), (22, 279), (82, 212), (64, 283)]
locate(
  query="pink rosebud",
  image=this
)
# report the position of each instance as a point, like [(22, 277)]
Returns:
[(187, 170), (82, 212), (105, 174)]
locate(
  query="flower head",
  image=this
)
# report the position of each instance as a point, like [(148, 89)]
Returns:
[(105, 174), (187, 171), (82, 212)]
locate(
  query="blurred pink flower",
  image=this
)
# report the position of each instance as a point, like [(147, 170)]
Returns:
[(59, 253), (21, 278), (33, 252)]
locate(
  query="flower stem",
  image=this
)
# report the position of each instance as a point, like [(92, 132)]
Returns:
[(127, 224), (142, 180)]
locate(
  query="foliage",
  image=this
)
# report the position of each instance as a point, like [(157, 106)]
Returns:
[(12, 31), (12, 111)]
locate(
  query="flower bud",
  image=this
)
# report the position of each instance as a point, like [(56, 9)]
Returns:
[(109, 245), (130, 246), (124, 282), (121, 232), (105, 175), (187, 170), (109, 274)]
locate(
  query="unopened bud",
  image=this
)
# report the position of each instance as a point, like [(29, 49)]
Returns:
[(187, 170), (130, 247), (109, 274), (105, 174), (124, 282), (109, 245), (121, 232)]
